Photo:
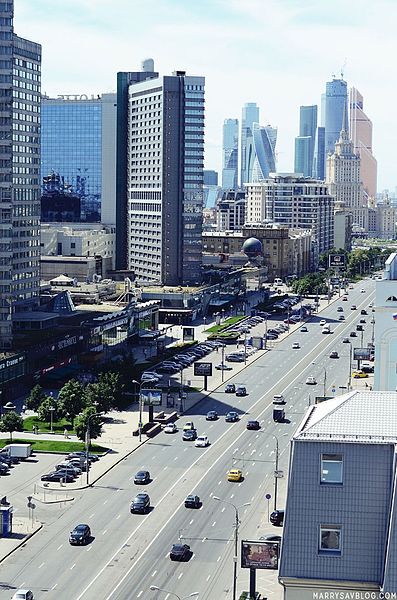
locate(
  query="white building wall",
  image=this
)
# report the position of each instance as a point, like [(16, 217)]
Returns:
[(386, 328)]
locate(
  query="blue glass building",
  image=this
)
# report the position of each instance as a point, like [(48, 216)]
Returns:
[(335, 104), (250, 115), (305, 142), (230, 154)]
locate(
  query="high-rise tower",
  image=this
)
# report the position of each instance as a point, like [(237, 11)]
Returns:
[(230, 154), (335, 105), (250, 115), (361, 135), (20, 63), (263, 153), (305, 142)]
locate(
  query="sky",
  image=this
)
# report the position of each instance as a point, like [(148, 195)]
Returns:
[(277, 53)]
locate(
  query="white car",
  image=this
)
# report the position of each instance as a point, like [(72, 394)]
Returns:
[(202, 441), (23, 595), (311, 380), (323, 322), (170, 428), (295, 346), (362, 290)]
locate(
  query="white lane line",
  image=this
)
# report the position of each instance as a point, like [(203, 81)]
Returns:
[(232, 496), (193, 555), (89, 549), (253, 464), (90, 517), (213, 524), (73, 566), (21, 584), (223, 509), (105, 502), (208, 577), (54, 586), (139, 594), (42, 565), (203, 540), (59, 547), (218, 559), (104, 531), (190, 522), (154, 573), (118, 517), (180, 575), (165, 468), (219, 482), (118, 490)]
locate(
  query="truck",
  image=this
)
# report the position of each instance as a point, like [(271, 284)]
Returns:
[(20, 451)]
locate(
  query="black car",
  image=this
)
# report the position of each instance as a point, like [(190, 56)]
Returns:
[(230, 388), (277, 518), (190, 435), (231, 417), (83, 456), (58, 476), (271, 538), (353, 334), (142, 478), (363, 312), (140, 504), (80, 535), (180, 552), (346, 341), (3, 469), (359, 328), (192, 501), (362, 321), (212, 415), (12, 460), (253, 425)]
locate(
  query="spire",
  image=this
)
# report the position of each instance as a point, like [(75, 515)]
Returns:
[(344, 134)]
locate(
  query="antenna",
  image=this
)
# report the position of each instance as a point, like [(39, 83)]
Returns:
[(342, 69)]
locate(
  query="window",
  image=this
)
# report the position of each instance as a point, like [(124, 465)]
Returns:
[(330, 539), (331, 468)]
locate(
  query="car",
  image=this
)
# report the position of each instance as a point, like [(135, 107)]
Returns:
[(234, 475), (326, 329), (303, 329), (254, 425), (311, 380), (83, 455), (323, 322), (334, 354), (223, 367), (202, 441), (295, 346), (142, 478), (363, 312), (4, 469), (58, 476), (235, 357), (345, 341), (362, 291), (341, 318), (180, 552), (192, 501), (212, 415), (241, 390), (371, 305), (353, 334), (23, 595), (363, 321), (367, 367), (80, 535), (188, 425), (351, 287), (170, 428), (359, 374), (140, 504), (277, 518), (279, 399), (339, 309), (189, 435), (271, 538), (68, 468), (344, 299), (359, 327), (232, 417), (230, 388), (353, 307), (167, 369)]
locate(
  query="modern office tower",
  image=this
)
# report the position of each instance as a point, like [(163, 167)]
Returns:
[(335, 107), (262, 154), (361, 135), (164, 191), (20, 63), (78, 145), (250, 115), (305, 142), (210, 177), (230, 154), (344, 180), (319, 155)]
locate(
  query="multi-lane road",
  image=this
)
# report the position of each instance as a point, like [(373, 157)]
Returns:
[(129, 553)]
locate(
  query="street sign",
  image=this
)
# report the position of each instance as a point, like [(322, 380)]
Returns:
[(279, 474), (268, 496)]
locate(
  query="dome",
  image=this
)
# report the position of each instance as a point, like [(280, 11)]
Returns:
[(252, 247)]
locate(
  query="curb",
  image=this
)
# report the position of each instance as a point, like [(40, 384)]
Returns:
[(22, 542), (53, 501)]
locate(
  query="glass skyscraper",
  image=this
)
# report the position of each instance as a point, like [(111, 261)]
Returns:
[(20, 79), (305, 142), (230, 154), (263, 154), (250, 115), (335, 105)]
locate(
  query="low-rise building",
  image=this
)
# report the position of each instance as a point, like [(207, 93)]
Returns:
[(230, 211), (343, 224)]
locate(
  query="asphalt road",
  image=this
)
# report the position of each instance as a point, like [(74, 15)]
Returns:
[(128, 553)]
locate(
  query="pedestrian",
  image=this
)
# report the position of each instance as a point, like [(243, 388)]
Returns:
[(370, 388), (65, 433), (366, 384), (217, 349)]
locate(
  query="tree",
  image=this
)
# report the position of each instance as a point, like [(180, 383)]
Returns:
[(313, 283), (44, 412), (82, 424), (35, 398), (71, 399), (11, 422)]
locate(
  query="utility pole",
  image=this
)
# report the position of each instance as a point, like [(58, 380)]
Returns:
[(276, 474), (223, 362), (265, 336), (349, 381)]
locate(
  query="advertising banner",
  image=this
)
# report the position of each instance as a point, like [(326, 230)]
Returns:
[(337, 261), (361, 353), (151, 397), (188, 334), (202, 369), (259, 555)]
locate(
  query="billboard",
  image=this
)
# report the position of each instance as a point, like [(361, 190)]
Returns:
[(151, 397), (202, 369), (259, 554), (337, 261), (361, 353), (188, 334)]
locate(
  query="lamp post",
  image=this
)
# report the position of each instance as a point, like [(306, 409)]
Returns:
[(236, 527), (87, 442), (265, 334), (140, 408), (349, 381), (245, 347), (223, 362), (51, 409), (155, 588), (276, 473), (372, 335)]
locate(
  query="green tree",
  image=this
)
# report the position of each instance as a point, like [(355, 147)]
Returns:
[(35, 398), (82, 424), (44, 412), (11, 422), (313, 283), (71, 399)]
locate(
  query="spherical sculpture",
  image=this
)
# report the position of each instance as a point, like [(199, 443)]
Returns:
[(252, 247)]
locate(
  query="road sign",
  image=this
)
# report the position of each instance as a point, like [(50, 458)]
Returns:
[(268, 496), (333, 390), (279, 474)]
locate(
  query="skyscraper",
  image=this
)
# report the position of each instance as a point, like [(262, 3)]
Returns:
[(230, 154), (335, 105), (361, 135), (250, 115), (262, 155), (305, 142), (164, 188), (20, 62), (319, 155)]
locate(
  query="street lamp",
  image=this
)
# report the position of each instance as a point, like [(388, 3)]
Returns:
[(51, 409), (140, 408), (155, 588), (236, 527), (87, 442), (223, 361)]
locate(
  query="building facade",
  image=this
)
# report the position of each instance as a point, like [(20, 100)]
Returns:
[(78, 137), (305, 142), (335, 107), (343, 224), (165, 149), (230, 211), (386, 217), (262, 156), (319, 155), (250, 115), (210, 177), (230, 154), (20, 61), (361, 135), (386, 328), (255, 202)]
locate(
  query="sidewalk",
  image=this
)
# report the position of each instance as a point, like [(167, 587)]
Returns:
[(22, 529)]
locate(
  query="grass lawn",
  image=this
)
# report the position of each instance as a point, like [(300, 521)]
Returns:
[(43, 426), (54, 446), (230, 321)]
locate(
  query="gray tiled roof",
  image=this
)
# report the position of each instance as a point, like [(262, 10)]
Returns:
[(359, 416)]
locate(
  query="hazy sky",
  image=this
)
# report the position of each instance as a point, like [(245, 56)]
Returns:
[(278, 53)]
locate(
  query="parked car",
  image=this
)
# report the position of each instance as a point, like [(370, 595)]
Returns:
[(359, 374), (140, 504), (190, 435), (142, 478), (202, 441), (277, 517), (339, 309), (345, 341), (323, 322), (303, 329), (353, 334), (57, 476), (254, 425), (192, 501), (80, 535), (363, 312), (212, 415), (170, 428), (353, 307), (82, 455), (296, 346), (223, 367), (232, 417), (180, 552)]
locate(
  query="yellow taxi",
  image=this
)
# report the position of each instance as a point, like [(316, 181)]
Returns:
[(234, 475), (188, 426), (359, 374)]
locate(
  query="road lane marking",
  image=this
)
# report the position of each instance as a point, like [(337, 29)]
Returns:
[(180, 575), (89, 549), (190, 522), (203, 540), (21, 584), (213, 524), (154, 573), (223, 509), (105, 502), (218, 559), (54, 586), (208, 577), (73, 566), (59, 547), (104, 531), (232, 496), (90, 517), (139, 594), (42, 565)]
